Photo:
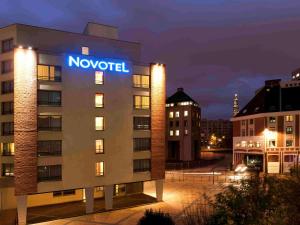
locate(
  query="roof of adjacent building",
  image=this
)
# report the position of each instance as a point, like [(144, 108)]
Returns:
[(180, 96), (273, 97)]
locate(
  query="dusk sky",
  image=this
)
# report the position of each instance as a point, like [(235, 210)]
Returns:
[(212, 48)]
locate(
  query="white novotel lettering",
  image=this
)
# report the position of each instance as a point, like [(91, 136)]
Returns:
[(102, 65)]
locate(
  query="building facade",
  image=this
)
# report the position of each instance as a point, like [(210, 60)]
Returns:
[(216, 133), (183, 116), (81, 117), (266, 130)]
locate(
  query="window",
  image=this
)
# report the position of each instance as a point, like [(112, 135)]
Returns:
[(49, 173), (7, 169), (289, 118), (7, 45), (7, 128), (243, 132), (141, 165), (141, 81), (49, 73), (99, 100), (99, 146), (7, 108), (141, 144), (251, 121), (177, 132), (63, 193), (177, 114), (186, 113), (141, 102), (243, 122), (289, 143), (99, 123), (186, 132), (185, 123), (7, 149), (290, 158), (99, 77), (171, 133), (49, 123), (7, 87), (177, 123), (251, 132), (171, 123), (289, 130), (52, 98), (99, 168), (141, 123), (85, 50), (272, 120), (49, 148), (171, 114), (272, 143), (7, 66)]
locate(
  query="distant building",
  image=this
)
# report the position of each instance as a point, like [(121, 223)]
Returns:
[(266, 131), (183, 127), (216, 133), (235, 105)]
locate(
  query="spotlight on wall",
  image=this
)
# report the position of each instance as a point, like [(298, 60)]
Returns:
[(20, 46), (29, 48)]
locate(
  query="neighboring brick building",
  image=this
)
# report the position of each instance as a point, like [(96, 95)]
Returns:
[(183, 116), (81, 117), (266, 130)]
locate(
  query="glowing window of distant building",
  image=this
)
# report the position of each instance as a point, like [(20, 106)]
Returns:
[(177, 132), (272, 120), (99, 77), (171, 114), (99, 123), (177, 114), (99, 100), (171, 132), (289, 118), (99, 146), (186, 132), (84, 50), (186, 113), (99, 168)]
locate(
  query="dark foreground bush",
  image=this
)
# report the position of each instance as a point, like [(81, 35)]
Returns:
[(156, 218)]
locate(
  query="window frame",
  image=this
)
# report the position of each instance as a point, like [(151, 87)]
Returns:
[(141, 106), (48, 102), (10, 43), (3, 67), (140, 84), (56, 78), (99, 151)]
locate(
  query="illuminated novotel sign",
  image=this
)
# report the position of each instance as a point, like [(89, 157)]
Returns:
[(112, 65)]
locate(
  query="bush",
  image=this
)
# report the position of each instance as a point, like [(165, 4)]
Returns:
[(156, 218)]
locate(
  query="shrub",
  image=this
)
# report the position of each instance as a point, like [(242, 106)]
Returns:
[(156, 218)]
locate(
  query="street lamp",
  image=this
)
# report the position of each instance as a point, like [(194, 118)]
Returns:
[(266, 135)]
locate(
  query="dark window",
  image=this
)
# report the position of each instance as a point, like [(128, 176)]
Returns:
[(141, 123), (63, 193), (7, 128), (7, 66), (141, 165), (49, 97), (177, 123), (7, 45), (49, 173), (49, 73), (185, 123), (50, 123), (289, 143), (8, 149), (48, 148), (7, 87), (251, 132), (7, 169), (289, 130), (251, 121), (141, 144), (171, 123), (7, 108)]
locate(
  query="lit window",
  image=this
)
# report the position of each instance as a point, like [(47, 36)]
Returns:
[(289, 143), (177, 114), (177, 132), (49, 73), (186, 113), (272, 143), (243, 144), (99, 146), (85, 51), (7, 149), (272, 120), (141, 81), (99, 123), (99, 78), (141, 102), (186, 132), (99, 168), (171, 114), (99, 100), (289, 118), (171, 132), (289, 130)]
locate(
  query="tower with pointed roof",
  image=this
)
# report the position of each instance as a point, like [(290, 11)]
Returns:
[(235, 105)]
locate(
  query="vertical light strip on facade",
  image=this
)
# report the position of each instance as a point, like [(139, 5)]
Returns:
[(25, 121), (158, 123)]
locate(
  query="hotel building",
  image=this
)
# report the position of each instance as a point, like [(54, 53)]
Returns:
[(266, 130), (183, 127), (81, 117)]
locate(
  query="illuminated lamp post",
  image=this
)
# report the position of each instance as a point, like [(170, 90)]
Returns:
[(266, 135)]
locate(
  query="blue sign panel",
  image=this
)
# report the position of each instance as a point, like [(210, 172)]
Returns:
[(103, 64)]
